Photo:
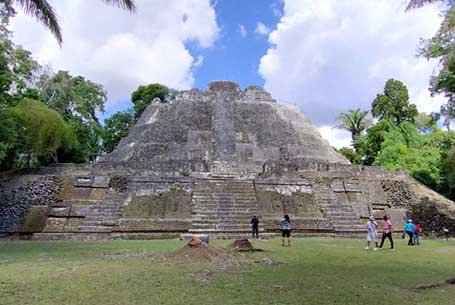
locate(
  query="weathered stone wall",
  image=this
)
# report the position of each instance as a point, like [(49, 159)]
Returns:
[(18, 194), (204, 163)]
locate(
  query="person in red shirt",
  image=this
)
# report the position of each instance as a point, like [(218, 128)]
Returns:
[(417, 230), (387, 232)]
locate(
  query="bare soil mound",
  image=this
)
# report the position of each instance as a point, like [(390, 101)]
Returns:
[(242, 245), (196, 250)]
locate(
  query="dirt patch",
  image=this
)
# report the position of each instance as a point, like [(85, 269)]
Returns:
[(242, 245), (196, 250), (450, 281)]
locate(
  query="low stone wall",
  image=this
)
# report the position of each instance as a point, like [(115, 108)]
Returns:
[(20, 194)]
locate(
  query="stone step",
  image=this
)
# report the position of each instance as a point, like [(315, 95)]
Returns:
[(95, 229), (91, 223), (71, 236), (223, 235)]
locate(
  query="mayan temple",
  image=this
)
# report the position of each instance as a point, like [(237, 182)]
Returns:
[(205, 163)]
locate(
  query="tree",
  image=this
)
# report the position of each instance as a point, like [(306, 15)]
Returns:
[(393, 104), (44, 12), (144, 96), (78, 100), (354, 121), (42, 131), (72, 96), (350, 154), (369, 145), (442, 46), (419, 3), (8, 136), (421, 154), (449, 170), (116, 128)]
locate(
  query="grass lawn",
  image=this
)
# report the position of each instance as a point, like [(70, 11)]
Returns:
[(314, 271)]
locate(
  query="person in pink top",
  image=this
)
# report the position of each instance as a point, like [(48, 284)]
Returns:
[(387, 232)]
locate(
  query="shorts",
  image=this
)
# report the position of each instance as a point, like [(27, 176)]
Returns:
[(286, 233), (372, 236)]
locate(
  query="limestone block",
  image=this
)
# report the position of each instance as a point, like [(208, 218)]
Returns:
[(83, 181), (57, 211), (72, 225), (397, 217), (155, 225), (79, 211), (55, 224), (337, 186), (101, 181)]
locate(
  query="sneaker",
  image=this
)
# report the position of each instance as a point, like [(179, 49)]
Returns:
[(392, 249), (375, 249), (367, 248)]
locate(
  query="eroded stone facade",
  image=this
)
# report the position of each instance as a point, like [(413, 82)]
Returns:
[(205, 163)]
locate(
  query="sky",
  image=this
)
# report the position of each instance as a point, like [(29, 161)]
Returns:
[(325, 56)]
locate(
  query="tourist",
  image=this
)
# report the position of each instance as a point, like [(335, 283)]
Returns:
[(446, 233), (386, 232), (417, 230), (286, 229), (372, 235), (255, 226), (409, 229)]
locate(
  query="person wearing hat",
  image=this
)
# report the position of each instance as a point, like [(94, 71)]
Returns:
[(372, 235), (409, 229)]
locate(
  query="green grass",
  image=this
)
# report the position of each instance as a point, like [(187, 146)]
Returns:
[(316, 271)]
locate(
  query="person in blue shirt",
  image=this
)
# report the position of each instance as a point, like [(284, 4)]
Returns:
[(409, 229)]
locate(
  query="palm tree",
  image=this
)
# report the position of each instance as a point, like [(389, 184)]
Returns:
[(354, 121), (44, 12), (419, 3)]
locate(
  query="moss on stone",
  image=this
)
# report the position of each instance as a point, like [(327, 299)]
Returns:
[(35, 220), (175, 203), (67, 189), (298, 203)]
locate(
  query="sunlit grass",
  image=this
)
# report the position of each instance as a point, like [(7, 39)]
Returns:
[(315, 271)]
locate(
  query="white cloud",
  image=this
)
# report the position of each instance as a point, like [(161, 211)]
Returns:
[(338, 138), (331, 56), (242, 30), (262, 29), (121, 50)]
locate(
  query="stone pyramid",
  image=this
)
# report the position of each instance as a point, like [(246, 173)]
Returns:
[(223, 129), (205, 163)]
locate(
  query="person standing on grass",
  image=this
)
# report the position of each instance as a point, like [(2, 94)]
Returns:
[(255, 226), (417, 230), (372, 235), (446, 233), (386, 232), (286, 229), (409, 229)]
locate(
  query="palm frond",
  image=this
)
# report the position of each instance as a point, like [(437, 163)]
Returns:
[(124, 4), (413, 4), (43, 11)]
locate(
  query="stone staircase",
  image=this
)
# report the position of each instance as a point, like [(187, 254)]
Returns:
[(104, 216), (341, 216), (223, 208)]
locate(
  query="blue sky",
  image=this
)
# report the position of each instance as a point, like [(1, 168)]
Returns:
[(234, 57), (326, 56)]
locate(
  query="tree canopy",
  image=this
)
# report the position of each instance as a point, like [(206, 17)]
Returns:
[(354, 121), (116, 128), (42, 130), (393, 104), (144, 96)]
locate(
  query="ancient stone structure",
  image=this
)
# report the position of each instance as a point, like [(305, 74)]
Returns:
[(205, 163)]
